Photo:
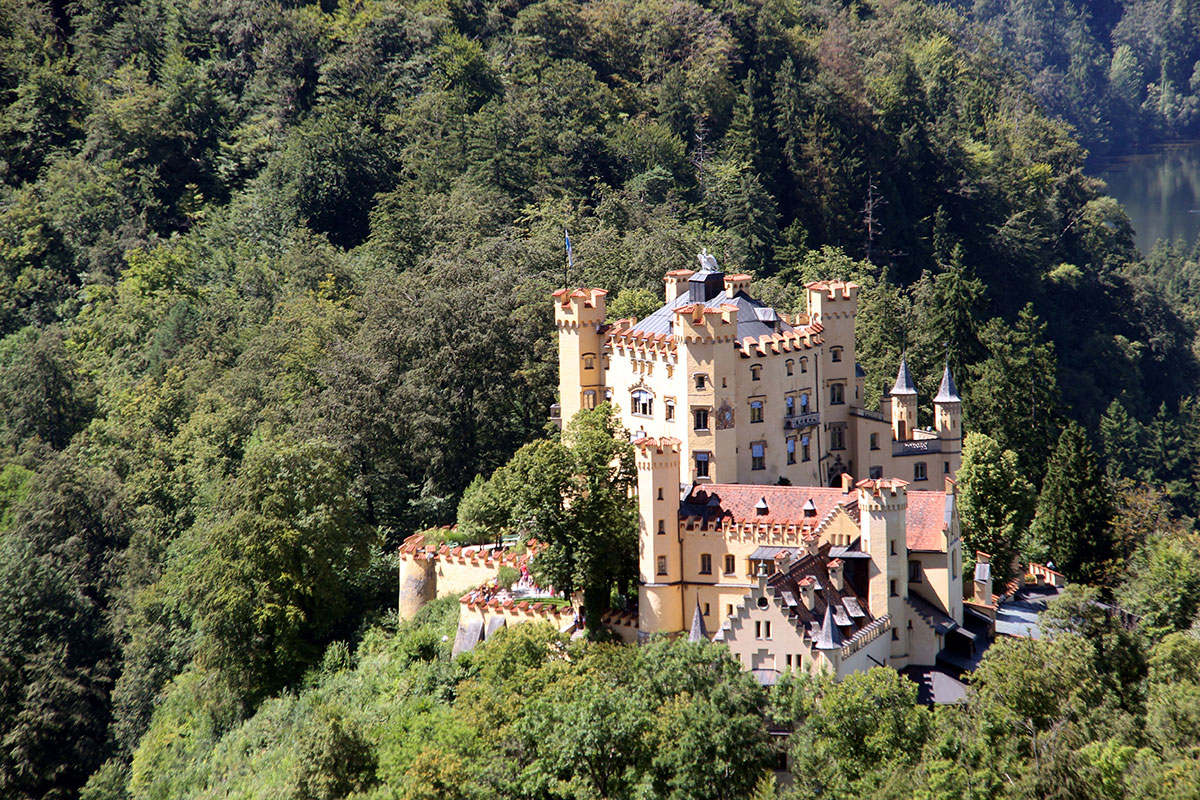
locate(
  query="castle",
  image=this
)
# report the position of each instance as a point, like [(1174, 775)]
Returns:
[(747, 425)]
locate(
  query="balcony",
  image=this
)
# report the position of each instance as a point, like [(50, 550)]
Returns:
[(916, 448), (795, 422), (855, 411)]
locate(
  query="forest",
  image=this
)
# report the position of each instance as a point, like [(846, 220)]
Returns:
[(274, 294)]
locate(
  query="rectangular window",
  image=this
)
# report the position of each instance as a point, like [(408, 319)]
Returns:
[(892, 588), (875, 472), (945, 467), (789, 405), (919, 472), (767, 629), (701, 465), (670, 406), (835, 354), (837, 438), (791, 450), (837, 394), (762, 629), (700, 382), (728, 610), (914, 572), (706, 609), (804, 403), (730, 565), (803, 366), (789, 364), (662, 565), (662, 527), (705, 564), (701, 419), (756, 372), (805, 453), (874, 441), (758, 455), (756, 411)]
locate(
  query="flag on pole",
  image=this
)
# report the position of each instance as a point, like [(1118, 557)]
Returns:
[(570, 260)]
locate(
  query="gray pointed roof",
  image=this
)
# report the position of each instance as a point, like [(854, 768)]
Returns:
[(904, 380), (830, 638), (698, 633), (947, 392)]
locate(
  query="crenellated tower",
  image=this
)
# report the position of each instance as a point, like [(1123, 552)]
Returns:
[(579, 317), (706, 338), (883, 511), (660, 568)]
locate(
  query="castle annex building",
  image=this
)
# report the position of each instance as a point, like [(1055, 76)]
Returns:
[(752, 395)]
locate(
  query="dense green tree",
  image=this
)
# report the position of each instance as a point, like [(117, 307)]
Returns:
[(1013, 394), (1073, 524), (995, 502)]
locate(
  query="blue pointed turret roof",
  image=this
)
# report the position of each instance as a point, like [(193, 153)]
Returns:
[(830, 638), (699, 632), (947, 392), (904, 380)]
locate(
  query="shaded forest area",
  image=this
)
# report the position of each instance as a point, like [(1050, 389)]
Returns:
[(274, 287), (1124, 73)]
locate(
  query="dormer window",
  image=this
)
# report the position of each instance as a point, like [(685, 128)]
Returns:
[(835, 354), (643, 403), (756, 372)]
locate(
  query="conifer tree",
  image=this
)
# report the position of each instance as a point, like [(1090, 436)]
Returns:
[(1121, 440), (995, 501), (1073, 525), (1013, 394)]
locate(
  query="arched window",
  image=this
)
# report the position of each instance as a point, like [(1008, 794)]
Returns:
[(670, 406), (803, 365), (835, 354), (804, 402), (643, 403), (789, 365), (789, 403), (837, 394), (756, 372)]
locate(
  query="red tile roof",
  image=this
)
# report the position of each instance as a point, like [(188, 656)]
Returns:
[(735, 503)]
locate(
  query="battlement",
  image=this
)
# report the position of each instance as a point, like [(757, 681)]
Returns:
[(415, 548), (737, 283), (783, 342), (831, 289), (675, 282), (579, 306), (882, 494), (697, 323)]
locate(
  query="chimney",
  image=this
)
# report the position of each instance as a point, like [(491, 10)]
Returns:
[(836, 574), (737, 283), (983, 578), (847, 483), (808, 585), (676, 282)]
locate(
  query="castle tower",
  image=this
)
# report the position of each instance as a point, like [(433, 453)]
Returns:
[(947, 413), (418, 583), (883, 510), (660, 568), (579, 317), (705, 338), (834, 304), (904, 403)]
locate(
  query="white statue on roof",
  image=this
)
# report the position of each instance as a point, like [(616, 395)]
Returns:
[(708, 263)]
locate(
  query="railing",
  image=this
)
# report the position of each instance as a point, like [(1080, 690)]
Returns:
[(916, 448), (796, 421)]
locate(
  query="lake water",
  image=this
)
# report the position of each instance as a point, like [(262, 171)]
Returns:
[(1160, 191)]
